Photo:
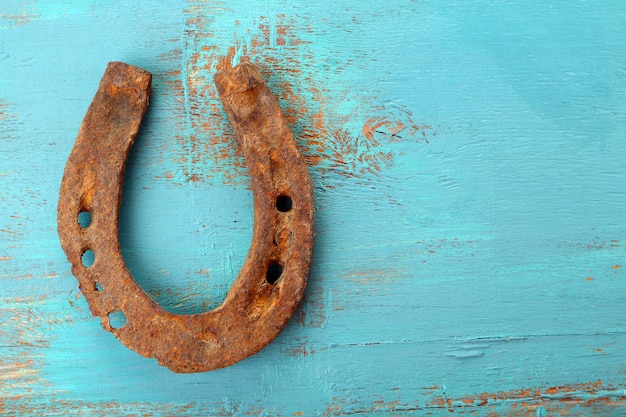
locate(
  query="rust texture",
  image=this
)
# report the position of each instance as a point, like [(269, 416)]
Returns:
[(271, 282)]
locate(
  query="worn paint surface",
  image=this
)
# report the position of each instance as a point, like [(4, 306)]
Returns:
[(469, 168)]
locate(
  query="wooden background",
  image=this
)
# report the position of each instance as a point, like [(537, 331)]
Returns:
[(469, 161)]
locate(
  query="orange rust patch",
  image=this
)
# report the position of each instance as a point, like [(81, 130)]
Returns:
[(616, 266), (589, 279)]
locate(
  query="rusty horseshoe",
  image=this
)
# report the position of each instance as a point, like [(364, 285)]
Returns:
[(271, 282)]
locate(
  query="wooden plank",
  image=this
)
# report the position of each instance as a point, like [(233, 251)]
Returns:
[(468, 162)]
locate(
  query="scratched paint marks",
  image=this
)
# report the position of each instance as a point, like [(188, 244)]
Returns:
[(11, 233), (300, 346), (13, 16), (168, 110), (371, 407), (28, 277), (11, 226), (23, 341), (8, 131), (591, 398), (51, 405), (4, 112), (210, 137), (341, 132), (202, 146), (426, 255), (392, 401), (598, 260), (574, 400), (393, 128), (349, 152), (441, 250), (433, 246)]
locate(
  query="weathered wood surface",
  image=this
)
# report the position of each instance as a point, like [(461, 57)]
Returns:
[(469, 164)]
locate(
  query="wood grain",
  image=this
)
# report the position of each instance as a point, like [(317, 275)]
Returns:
[(468, 164)]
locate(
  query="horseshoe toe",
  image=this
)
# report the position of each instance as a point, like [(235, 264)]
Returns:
[(271, 282)]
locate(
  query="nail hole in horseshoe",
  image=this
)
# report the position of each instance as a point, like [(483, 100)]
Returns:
[(117, 319), (84, 219), (274, 270), (88, 258), (97, 286), (283, 203)]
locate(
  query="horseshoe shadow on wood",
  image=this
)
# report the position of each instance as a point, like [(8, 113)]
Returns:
[(272, 280)]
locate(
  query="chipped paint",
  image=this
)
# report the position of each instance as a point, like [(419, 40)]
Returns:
[(355, 142), (570, 399), (17, 18)]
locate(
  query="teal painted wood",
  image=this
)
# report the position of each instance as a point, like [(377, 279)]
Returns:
[(468, 159)]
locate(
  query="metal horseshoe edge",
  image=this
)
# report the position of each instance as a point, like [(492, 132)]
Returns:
[(272, 280)]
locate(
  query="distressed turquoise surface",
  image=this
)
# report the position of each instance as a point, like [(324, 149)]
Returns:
[(469, 163)]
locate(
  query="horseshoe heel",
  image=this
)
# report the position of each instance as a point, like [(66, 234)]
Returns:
[(271, 282)]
